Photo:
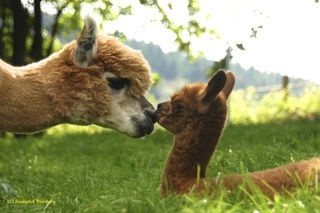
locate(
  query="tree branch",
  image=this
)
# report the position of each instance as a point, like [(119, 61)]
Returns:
[(55, 27)]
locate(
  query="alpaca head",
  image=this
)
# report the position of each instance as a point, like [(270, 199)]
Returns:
[(195, 101), (111, 79)]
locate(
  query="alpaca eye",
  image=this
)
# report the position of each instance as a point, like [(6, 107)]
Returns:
[(117, 83), (178, 108)]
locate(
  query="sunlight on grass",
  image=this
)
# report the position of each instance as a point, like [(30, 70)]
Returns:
[(247, 106), (304, 200), (69, 128)]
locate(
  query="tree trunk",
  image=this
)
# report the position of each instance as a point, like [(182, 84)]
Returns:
[(36, 49), (2, 23), (55, 27), (20, 30), (53, 33)]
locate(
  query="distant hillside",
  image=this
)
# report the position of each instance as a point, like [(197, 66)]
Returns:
[(172, 65), (255, 78), (176, 71)]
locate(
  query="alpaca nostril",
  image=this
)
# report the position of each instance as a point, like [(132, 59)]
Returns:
[(159, 107)]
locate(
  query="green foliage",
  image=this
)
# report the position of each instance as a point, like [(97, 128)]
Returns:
[(156, 79), (183, 31), (90, 169)]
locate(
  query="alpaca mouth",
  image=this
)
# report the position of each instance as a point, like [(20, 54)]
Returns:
[(157, 115), (145, 126), (161, 111)]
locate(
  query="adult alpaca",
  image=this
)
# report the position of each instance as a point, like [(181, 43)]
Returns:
[(92, 80), (196, 115)]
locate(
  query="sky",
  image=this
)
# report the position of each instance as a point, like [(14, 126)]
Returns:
[(287, 43)]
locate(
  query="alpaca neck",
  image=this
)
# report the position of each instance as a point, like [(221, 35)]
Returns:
[(192, 151), (27, 96)]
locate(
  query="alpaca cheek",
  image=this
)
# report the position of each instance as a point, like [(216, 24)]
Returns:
[(167, 124), (163, 122)]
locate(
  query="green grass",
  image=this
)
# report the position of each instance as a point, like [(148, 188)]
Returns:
[(88, 169)]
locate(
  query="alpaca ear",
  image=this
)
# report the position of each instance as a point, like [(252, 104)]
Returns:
[(214, 86), (229, 84), (86, 48)]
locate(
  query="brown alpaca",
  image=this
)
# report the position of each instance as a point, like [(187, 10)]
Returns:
[(196, 115), (92, 80)]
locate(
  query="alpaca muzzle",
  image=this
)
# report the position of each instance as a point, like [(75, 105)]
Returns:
[(145, 126)]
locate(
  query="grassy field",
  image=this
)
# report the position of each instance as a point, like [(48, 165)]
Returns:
[(88, 169)]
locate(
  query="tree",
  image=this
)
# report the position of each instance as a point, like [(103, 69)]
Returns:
[(36, 49), (192, 27), (20, 31), (28, 42)]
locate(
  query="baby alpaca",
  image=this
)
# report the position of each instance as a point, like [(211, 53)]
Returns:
[(93, 80), (196, 115)]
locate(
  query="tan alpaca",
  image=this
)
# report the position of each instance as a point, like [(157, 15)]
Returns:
[(196, 115), (92, 80)]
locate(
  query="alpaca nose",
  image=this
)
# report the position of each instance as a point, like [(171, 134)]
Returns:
[(150, 113), (160, 106)]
